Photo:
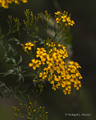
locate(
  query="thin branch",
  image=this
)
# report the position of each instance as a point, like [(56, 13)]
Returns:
[(3, 84), (10, 74), (26, 75)]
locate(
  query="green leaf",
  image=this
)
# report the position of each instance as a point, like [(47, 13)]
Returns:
[(10, 48), (14, 39), (2, 84), (20, 60), (8, 72), (13, 60), (7, 59), (20, 77)]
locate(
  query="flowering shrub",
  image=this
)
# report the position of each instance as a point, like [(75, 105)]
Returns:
[(47, 60)]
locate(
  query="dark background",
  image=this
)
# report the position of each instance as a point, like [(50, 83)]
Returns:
[(84, 52)]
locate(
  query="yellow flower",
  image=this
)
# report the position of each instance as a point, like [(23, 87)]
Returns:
[(77, 84), (28, 45), (79, 75), (59, 45), (56, 56), (35, 63), (50, 77), (72, 23), (58, 20), (24, 48), (60, 69), (68, 77), (49, 60), (75, 64), (34, 110), (68, 19), (41, 52), (28, 118), (47, 43), (63, 53), (52, 44), (43, 58), (50, 69), (60, 82), (74, 77), (64, 17), (72, 68), (60, 62), (53, 79), (57, 13), (43, 75), (24, 1), (67, 91), (67, 85), (54, 87)]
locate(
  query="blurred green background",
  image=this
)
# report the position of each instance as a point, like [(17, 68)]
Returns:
[(84, 52)]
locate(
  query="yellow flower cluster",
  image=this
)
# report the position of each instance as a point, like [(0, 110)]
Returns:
[(5, 3), (55, 69), (64, 17)]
